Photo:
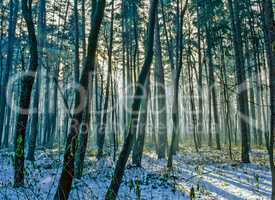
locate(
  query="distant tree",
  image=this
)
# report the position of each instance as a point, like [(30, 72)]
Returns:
[(141, 131), (210, 37), (101, 134), (13, 11), (161, 95)]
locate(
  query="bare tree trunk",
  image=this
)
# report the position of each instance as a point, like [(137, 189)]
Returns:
[(200, 85), (128, 143), (25, 97), (101, 134), (13, 9), (139, 144), (76, 42), (65, 182), (161, 95), (34, 121), (228, 124), (242, 96), (270, 49), (176, 78), (191, 90), (212, 85)]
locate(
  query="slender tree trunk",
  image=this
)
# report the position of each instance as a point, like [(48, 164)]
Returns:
[(228, 124), (242, 96), (139, 144), (46, 122), (13, 9), (76, 42), (270, 49), (101, 135), (212, 86), (191, 92), (83, 29), (34, 121), (83, 137), (25, 97), (200, 86), (161, 95), (65, 182), (128, 143), (176, 78), (1, 55)]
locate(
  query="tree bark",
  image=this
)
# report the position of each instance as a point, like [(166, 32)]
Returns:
[(128, 143), (13, 9), (176, 77), (270, 49), (161, 95), (212, 84), (34, 121), (101, 134), (25, 96), (242, 96), (139, 144), (65, 182)]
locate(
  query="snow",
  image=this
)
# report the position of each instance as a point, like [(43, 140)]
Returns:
[(212, 177)]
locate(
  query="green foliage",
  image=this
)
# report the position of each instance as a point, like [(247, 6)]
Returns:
[(19, 147), (131, 185), (138, 192), (192, 193)]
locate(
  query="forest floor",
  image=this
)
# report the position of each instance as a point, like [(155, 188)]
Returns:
[(210, 173)]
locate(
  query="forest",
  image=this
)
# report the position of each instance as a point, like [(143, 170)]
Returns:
[(137, 99)]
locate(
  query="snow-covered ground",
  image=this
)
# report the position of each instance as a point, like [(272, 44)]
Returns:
[(211, 176)]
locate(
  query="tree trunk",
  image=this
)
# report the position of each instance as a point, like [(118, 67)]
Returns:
[(176, 77), (242, 96), (161, 95), (34, 121), (76, 42), (200, 85), (25, 97), (13, 9), (139, 144), (128, 143), (101, 134), (65, 182), (212, 85), (270, 49)]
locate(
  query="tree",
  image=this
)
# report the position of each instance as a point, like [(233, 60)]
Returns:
[(25, 96), (128, 143), (242, 96), (34, 120), (101, 134), (161, 95), (270, 49), (76, 65), (13, 9), (139, 143), (67, 174), (212, 85), (176, 77)]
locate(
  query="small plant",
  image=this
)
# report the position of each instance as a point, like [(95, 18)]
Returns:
[(257, 179), (138, 192), (192, 193), (131, 184)]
